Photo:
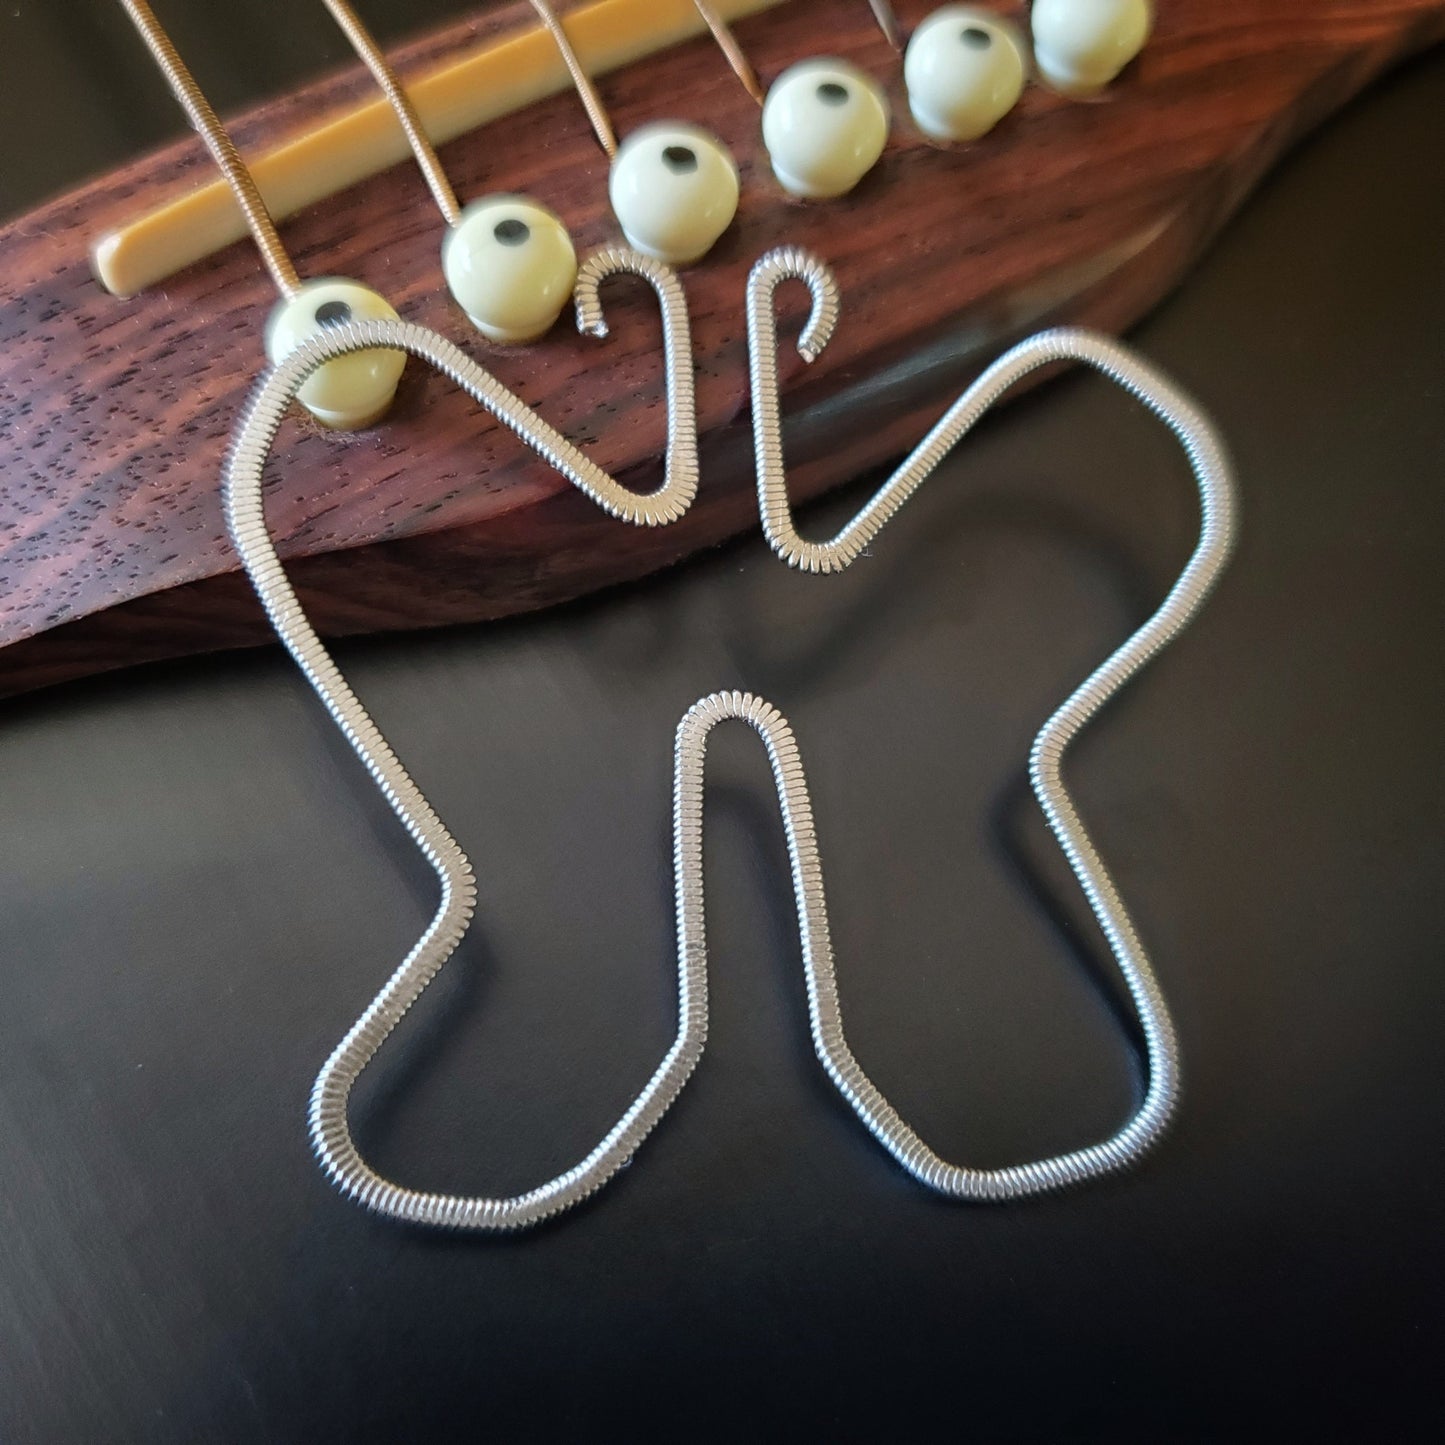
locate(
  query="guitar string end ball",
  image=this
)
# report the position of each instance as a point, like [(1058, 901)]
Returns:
[(511, 266), (964, 70), (1081, 45), (674, 190), (354, 390), (825, 123)]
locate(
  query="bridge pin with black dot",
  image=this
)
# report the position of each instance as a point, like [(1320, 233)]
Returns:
[(825, 121), (964, 69), (507, 259), (673, 185), (352, 391)]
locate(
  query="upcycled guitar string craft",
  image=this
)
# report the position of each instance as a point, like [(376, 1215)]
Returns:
[(330, 1130), (1061, 214), (338, 339)]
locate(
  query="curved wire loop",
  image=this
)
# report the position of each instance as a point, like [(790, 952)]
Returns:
[(278, 388), (1209, 464), (245, 519), (680, 476), (328, 1111), (1104, 354)]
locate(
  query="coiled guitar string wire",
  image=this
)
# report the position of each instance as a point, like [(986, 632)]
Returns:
[(330, 1130), (667, 503), (1209, 463)]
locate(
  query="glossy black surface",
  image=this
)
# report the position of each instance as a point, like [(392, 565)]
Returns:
[(199, 892)]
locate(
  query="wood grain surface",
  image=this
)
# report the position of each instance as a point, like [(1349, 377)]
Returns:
[(115, 415)]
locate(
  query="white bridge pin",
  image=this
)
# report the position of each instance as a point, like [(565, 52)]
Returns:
[(674, 190), (1081, 45), (825, 121), (508, 260), (964, 69), (510, 264), (673, 186), (352, 391)]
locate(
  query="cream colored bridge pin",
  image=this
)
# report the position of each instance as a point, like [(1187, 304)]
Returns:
[(673, 186), (508, 261), (674, 189), (825, 123), (352, 391), (511, 266), (964, 69), (1081, 45)]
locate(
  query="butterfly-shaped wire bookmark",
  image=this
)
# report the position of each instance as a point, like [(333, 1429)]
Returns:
[(330, 1129)]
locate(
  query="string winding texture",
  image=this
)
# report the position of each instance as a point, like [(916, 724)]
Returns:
[(1109, 357), (330, 1130), (735, 55), (667, 503), (205, 122), (581, 81), (374, 59), (1208, 461), (245, 519)]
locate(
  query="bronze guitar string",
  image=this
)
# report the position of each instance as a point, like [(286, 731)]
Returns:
[(586, 90), (371, 55), (207, 124)]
